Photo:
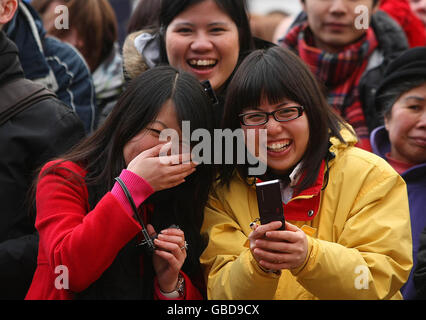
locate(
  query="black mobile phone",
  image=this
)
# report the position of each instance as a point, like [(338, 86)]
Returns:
[(269, 202)]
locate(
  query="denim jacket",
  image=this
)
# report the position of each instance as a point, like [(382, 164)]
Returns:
[(58, 65)]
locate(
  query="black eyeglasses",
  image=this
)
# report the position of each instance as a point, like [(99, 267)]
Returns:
[(259, 118)]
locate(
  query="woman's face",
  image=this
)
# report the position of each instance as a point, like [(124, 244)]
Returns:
[(286, 142), (149, 137), (407, 127), (204, 41)]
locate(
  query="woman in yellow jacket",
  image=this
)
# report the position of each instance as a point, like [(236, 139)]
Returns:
[(347, 231)]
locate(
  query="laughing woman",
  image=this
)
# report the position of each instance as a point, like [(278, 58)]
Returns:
[(92, 224), (347, 230), (207, 38)]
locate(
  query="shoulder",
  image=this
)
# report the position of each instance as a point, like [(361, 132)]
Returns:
[(65, 54), (64, 169), (134, 63), (364, 174), (70, 70), (389, 33), (51, 108), (354, 159), (53, 121)]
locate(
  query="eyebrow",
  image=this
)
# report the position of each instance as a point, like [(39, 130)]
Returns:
[(414, 98), (161, 123), (212, 24)]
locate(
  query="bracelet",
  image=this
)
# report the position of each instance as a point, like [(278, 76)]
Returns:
[(179, 290)]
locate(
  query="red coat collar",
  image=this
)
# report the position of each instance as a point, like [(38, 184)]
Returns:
[(305, 205)]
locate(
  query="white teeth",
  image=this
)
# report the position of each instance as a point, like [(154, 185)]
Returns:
[(278, 146), (202, 63)]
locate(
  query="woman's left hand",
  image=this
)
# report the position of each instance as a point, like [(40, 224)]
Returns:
[(169, 256), (282, 249)]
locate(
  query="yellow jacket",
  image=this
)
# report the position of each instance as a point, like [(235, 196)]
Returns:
[(359, 242)]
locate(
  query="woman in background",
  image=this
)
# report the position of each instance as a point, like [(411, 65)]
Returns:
[(207, 38), (402, 139)]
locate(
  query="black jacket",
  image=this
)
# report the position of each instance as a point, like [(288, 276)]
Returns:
[(27, 140)]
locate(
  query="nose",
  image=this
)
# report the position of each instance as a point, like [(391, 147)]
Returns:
[(338, 7), (201, 43), (422, 120), (273, 127)]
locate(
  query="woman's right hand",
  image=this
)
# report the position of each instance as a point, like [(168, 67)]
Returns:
[(275, 249), (162, 172)]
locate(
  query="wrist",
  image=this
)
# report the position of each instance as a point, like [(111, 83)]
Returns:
[(277, 272), (178, 290), (261, 268), (170, 287)]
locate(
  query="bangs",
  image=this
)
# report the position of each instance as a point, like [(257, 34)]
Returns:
[(265, 82)]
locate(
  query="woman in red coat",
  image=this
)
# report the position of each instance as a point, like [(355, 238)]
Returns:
[(92, 238)]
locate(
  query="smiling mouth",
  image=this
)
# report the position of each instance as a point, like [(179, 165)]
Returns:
[(419, 141), (202, 64), (278, 147)]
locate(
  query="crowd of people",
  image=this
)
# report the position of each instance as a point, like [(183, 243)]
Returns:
[(104, 195)]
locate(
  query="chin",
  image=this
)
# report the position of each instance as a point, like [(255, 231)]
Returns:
[(279, 170)]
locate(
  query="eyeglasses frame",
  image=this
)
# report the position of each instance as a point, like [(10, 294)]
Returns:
[(300, 109)]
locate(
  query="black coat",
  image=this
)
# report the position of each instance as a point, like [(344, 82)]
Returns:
[(29, 139)]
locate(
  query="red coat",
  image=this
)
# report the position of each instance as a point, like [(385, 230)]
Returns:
[(84, 242), (401, 11)]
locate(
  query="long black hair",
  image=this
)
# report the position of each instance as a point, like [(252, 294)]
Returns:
[(276, 74), (101, 155)]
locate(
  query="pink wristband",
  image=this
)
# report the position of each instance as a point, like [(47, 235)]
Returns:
[(138, 188)]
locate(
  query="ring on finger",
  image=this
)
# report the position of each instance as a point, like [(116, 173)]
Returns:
[(185, 246)]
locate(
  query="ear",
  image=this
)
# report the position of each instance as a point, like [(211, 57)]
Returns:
[(7, 10), (386, 120)]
